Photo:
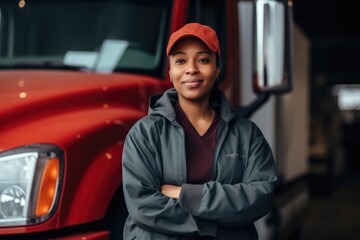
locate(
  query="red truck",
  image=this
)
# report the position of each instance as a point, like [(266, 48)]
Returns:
[(76, 75)]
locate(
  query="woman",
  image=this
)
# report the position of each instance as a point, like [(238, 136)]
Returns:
[(193, 168)]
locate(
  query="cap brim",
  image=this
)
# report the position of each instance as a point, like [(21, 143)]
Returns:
[(176, 40)]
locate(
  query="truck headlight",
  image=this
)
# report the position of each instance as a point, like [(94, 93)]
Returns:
[(30, 181)]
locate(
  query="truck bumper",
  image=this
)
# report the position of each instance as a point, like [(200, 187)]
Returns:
[(102, 235)]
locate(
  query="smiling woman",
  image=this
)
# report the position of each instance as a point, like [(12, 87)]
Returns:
[(178, 179)]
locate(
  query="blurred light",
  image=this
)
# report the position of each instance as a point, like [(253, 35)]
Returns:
[(22, 95), (22, 3), (105, 106), (21, 83), (119, 122), (108, 156), (348, 97)]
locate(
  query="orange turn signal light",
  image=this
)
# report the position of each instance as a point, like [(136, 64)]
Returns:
[(48, 185)]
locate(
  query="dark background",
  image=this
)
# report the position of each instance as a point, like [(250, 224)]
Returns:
[(333, 30)]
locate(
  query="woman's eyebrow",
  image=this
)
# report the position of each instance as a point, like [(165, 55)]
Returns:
[(177, 53)]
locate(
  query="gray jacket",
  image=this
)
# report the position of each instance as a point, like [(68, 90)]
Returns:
[(240, 192)]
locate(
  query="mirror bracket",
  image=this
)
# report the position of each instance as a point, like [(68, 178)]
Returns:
[(247, 111)]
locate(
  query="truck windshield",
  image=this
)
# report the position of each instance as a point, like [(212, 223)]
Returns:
[(101, 36)]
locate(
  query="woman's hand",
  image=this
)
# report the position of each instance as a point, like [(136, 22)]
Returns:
[(171, 191)]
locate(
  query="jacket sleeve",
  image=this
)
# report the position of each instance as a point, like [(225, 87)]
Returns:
[(241, 203), (147, 206)]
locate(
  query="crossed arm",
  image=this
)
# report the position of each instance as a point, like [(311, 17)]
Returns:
[(171, 191), (161, 208)]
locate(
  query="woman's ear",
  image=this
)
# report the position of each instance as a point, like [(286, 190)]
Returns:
[(170, 76)]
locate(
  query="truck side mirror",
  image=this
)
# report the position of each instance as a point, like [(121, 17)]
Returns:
[(273, 47)]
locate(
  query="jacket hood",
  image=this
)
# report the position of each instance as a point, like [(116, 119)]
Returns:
[(163, 104)]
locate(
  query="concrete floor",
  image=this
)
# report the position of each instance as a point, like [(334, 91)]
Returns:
[(335, 217)]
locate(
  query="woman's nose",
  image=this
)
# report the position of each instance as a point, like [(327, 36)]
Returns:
[(192, 68)]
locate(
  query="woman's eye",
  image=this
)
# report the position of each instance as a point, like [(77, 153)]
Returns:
[(203, 60), (180, 61)]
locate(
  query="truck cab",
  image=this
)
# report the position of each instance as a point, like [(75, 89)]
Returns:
[(76, 75)]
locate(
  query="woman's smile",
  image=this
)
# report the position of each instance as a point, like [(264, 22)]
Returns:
[(192, 83)]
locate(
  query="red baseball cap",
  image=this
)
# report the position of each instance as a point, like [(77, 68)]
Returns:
[(202, 32)]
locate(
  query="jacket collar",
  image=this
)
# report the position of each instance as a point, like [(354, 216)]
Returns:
[(163, 104)]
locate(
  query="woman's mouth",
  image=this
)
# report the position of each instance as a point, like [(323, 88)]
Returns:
[(192, 83)]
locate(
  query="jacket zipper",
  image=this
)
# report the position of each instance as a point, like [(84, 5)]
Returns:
[(218, 145), (183, 162)]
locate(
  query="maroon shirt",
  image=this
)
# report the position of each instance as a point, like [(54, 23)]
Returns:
[(199, 151)]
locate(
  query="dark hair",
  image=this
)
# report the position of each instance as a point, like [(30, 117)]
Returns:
[(217, 60), (215, 96)]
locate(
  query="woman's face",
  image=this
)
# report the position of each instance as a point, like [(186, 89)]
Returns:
[(193, 69)]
